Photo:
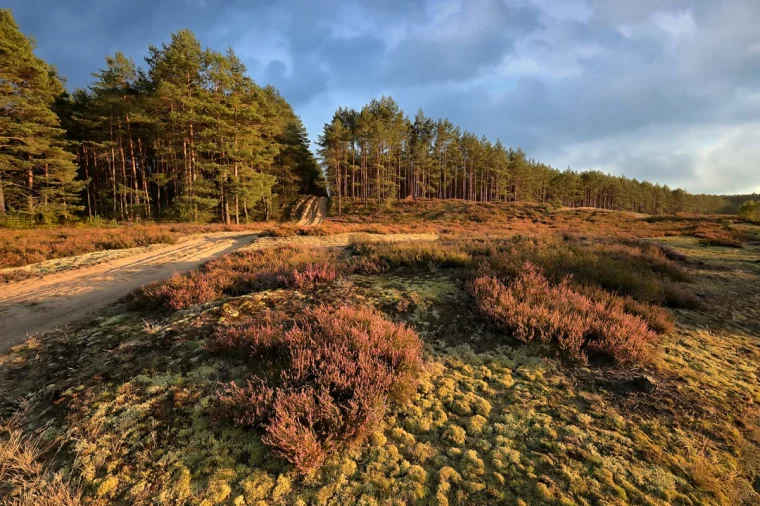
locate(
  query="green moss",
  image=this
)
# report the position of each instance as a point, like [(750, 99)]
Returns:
[(107, 487), (476, 424), (471, 464), (257, 486), (481, 406), (454, 434)]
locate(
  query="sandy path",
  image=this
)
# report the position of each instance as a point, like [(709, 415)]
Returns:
[(312, 211), (35, 305)]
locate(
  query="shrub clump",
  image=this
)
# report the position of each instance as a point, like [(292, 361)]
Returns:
[(327, 383), (531, 309), (374, 258), (638, 269), (240, 273)]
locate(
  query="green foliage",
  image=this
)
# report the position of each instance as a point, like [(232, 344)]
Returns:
[(193, 138), (36, 172), (378, 153), (749, 211)]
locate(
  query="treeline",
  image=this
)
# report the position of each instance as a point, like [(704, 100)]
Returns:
[(733, 202), (191, 137), (379, 153)]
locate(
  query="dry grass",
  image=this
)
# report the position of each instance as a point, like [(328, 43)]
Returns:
[(28, 246), (25, 479)]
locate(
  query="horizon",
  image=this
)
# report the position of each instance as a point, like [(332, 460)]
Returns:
[(661, 94)]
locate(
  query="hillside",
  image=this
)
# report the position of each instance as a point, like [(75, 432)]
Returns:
[(467, 369)]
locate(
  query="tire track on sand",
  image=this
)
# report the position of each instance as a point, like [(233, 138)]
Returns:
[(36, 305)]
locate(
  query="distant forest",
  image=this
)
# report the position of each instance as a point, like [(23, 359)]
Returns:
[(734, 201), (379, 153), (191, 137)]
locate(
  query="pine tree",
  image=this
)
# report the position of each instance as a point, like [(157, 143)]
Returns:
[(377, 153), (193, 136), (36, 172), (333, 151)]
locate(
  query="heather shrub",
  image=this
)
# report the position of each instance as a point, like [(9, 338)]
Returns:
[(637, 269), (724, 241), (372, 258), (326, 382), (725, 237), (657, 318), (240, 273), (533, 309), (179, 291), (22, 247), (253, 341)]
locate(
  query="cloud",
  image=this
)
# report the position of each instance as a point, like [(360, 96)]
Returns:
[(659, 89)]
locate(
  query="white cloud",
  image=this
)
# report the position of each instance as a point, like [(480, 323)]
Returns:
[(702, 159), (667, 27), (678, 25)]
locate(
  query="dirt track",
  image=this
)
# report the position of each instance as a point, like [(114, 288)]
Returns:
[(37, 305), (312, 211)]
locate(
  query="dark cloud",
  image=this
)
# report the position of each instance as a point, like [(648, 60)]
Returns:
[(659, 89)]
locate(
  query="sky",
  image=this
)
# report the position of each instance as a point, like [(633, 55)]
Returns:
[(663, 90)]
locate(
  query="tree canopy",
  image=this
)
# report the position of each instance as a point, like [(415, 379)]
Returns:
[(749, 211), (190, 136), (37, 173), (380, 153)]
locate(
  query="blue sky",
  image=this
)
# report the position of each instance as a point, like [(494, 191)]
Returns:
[(665, 90)]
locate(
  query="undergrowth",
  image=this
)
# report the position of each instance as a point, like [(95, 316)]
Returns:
[(151, 415), (25, 477), (239, 273), (450, 218), (327, 380), (588, 296), (531, 308)]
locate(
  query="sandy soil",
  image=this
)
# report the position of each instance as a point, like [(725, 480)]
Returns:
[(312, 211), (56, 300), (36, 305)]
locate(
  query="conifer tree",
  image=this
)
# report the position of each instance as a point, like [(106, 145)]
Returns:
[(36, 172), (377, 153)]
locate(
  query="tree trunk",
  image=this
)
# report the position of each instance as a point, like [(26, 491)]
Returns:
[(144, 176), (237, 199), (2, 196), (87, 179), (30, 187), (136, 195)]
